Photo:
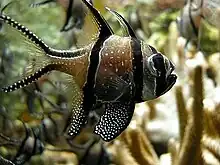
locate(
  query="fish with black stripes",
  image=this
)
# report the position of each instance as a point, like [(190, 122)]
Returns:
[(117, 71), (189, 20), (4, 161), (28, 146), (194, 13)]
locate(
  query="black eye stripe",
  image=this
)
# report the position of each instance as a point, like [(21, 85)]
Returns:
[(158, 61)]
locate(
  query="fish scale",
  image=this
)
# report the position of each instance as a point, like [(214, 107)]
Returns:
[(115, 47)]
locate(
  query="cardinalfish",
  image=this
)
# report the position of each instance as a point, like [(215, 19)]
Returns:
[(28, 146), (190, 19), (194, 12), (116, 71)]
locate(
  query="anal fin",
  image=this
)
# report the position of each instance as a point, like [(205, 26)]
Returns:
[(115, 120), (75, 96)]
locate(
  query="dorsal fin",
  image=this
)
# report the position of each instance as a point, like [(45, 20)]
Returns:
[(104, 27), (123, 23)]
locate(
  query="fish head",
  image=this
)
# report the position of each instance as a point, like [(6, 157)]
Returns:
[(157, 76)]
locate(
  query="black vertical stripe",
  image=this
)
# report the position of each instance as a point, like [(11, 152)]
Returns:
[(22, 146), (137, 63), (195, 30), (105, 31), (88, 90), (34, 150), (161, 85), (68, 15)]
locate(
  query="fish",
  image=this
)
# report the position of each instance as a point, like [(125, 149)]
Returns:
[(74, 10), (194, 12), (29, 146), (189, 20), (117, 71), (6, 123)]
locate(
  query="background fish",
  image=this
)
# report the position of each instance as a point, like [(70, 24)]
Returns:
[(189, 20)]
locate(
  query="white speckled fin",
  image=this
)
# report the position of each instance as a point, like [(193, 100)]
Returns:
[(115, 120), (74, 95)]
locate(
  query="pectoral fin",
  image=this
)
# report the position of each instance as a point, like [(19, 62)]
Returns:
[(113, 87), (115, 120)]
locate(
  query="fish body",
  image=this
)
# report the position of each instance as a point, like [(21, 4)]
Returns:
[(30, 146), (114, 70)]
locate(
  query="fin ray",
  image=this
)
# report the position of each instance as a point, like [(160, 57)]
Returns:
[(74, 96), (113, 87), (115, 120), (123, 23)]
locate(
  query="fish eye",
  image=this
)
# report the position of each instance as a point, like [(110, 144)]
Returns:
[(159, 64), (151, 66)]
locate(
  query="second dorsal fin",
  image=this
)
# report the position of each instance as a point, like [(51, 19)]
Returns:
[(103, 26), (123, 23)]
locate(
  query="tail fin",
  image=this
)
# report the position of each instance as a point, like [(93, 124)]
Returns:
[(39, 53), (28, 80), (26, 33), (34, 57)]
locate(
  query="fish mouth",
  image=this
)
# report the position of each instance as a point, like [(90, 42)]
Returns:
[(170, 81), (166, 82)]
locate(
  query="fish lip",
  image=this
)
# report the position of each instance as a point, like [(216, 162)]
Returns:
[(171, 80)]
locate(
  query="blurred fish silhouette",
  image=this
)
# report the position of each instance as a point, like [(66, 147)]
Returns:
[(6, 125), (189, 20), (29, 146), (194, 12), (114, 70), (75, 11)]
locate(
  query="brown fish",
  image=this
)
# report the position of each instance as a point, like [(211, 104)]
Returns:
[(114, 70)]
